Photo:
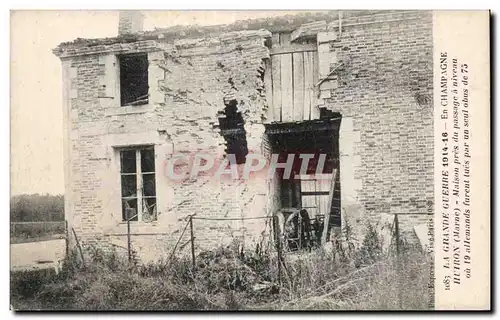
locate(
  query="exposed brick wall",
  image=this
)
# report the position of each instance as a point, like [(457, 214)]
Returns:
[(387, 71), (194, 77), (383, 91), (84, 173)]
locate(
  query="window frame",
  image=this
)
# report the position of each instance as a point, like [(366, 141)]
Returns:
[(139, 192)]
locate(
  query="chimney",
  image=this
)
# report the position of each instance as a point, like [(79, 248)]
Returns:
[(130, 21)]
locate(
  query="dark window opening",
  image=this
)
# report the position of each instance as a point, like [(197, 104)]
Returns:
[(138, 184), (134, 79), (232, 128)]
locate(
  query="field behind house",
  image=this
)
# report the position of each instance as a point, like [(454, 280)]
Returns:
[(35, 217), (21, 232)]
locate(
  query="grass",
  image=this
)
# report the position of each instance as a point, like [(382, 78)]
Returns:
[(231, 279)]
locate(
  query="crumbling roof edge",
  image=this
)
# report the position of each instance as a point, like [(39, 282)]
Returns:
[(194, 33), (98, 46), (285, 23)]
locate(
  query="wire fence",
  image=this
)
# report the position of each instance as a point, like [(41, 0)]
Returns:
[(264, 232), (268, 240), (200, 232), (263, 235), (36, 230), (242, 231)]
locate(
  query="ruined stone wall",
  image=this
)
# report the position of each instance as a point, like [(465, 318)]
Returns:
[(384, 93), (189, 82)]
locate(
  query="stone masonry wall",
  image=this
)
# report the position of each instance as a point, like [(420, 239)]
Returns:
[(383, 91), (189, 82)]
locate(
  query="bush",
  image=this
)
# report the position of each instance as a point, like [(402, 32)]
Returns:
[(371, 248), (27, 283), (227, 268)]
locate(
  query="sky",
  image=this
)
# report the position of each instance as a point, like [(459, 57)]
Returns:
[(36, 158)]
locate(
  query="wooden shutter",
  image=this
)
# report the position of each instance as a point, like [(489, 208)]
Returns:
[(293, 73)]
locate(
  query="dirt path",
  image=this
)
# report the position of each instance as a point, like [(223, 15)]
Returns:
[(34, 255)]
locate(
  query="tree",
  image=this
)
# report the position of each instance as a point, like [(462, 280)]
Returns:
[(36, 207)]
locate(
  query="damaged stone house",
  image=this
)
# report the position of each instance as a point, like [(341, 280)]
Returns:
[(355, 86)]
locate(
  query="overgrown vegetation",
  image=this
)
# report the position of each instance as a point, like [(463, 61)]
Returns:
[(230, 278)]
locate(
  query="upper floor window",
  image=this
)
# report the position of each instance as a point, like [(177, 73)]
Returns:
[(138, 184), (133, 79)]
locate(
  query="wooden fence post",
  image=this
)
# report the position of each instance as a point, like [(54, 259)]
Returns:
[(129, 244), (177, 243), (66, 233), (299, 219), (398, 260), (79, 247), (192, 241), (396, 231), (278, 245)]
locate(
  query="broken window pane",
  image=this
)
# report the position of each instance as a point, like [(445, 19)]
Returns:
[(147, 160), (138, 186), (148, 181), (129, 207), (149, 211), (129, 186), (128, 161), (134, 79)]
